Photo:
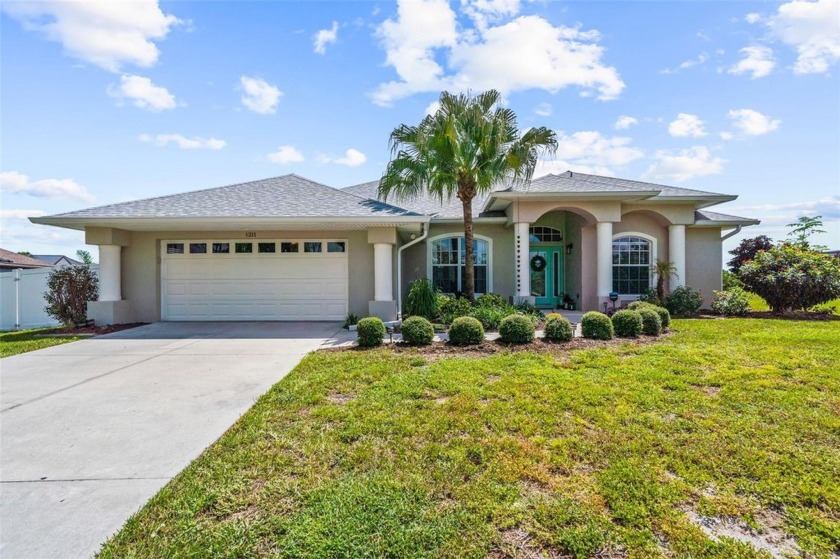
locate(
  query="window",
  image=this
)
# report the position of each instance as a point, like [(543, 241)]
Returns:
[(312, 246), (244, 248), (539, 234), (447, 260), (336, 246), (631, 265), (221, 248), (289, 247), (175, 248), (266, 248), (198, 248)]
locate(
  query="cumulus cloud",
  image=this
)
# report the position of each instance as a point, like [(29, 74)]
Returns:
[(108, 34), (325, 37), (758, 62), (812, 29), (21, 214), (624, 122), (524, 53), (589, 152), (259, 96), (684, 164), (686, 125), (752, 123), (828, 207), (351, 158), (543, 109), (286, 155), (183, 142), (18, 183), (433, 107), (142, 93)]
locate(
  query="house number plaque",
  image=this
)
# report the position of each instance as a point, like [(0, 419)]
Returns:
[(250, 234)]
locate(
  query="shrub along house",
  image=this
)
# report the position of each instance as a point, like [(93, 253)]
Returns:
[(289, 248)]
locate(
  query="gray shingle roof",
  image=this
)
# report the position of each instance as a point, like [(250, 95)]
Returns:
[(52, 259), (285, 196), (423, 204), (707, 216), (582, 182)]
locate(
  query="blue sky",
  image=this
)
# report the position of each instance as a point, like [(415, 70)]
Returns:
[(108, 102)]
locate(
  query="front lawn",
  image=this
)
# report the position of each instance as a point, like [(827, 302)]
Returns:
[(21, 341), (725, 428)]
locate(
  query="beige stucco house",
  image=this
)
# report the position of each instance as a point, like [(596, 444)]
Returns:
[(289, 248)]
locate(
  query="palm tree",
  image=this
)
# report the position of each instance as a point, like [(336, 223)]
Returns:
[(466, 148), (663, 269)]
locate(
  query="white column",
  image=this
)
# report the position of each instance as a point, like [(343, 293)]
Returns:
[(676, 254), (604, 233), (523, 248), (109, 273), (383, 282)]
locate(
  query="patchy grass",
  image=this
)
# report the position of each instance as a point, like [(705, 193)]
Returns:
[(757, 303), (601, 452), (21, 341)]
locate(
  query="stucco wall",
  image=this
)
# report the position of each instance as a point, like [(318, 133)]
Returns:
[(703, 257), (141, 265)]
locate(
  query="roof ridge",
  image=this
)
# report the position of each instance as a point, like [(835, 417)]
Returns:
[(596, 177)]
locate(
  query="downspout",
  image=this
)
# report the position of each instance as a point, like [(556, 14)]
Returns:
[(731, 233), (424, 232)]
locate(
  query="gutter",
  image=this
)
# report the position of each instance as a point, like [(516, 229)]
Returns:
[(731, 233), (423, 234)]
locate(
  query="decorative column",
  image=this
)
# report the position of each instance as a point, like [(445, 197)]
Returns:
[(383, 281), (604, 234), (109, 273), (522, 243), (676, 254)]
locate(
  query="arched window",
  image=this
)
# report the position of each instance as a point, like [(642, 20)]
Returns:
[(447, 258), (632, 258), (539, 234)]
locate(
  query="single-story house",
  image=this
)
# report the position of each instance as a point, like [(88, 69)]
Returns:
[(13, 261), (58, 260), (289, 248)]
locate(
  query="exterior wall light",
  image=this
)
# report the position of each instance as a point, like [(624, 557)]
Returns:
[(569, 248)]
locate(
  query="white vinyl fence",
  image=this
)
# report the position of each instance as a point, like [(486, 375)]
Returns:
[(22, 300)]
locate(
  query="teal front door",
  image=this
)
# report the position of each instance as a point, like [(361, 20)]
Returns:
[(547, 275)]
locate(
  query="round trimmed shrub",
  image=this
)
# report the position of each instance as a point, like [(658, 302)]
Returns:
[(684, 301), (370, 331), (558, 328), (516, 329), (416, 330), (627, 324), (733, 302), (597, 326), (491, 300), (664, 315), (651, 323), (551, 315), (466, 330)]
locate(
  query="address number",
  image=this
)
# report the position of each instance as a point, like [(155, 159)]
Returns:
[(250, 234)]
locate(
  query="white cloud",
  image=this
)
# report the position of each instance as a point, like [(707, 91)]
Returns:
[(483, 12), (543, 109), (108, 34), (352, 158), (21, 214), (752, 123), (624, 122), (701, 58), (758, 61), (259, 96), (524, 53), (686, 125), (828, 207), (589, 152), (325, 37), (752, 17), (183, 142), (285, 155), (142, 93), (684, 164), (726, 135), (813, 30), (433, 107), (14, 182)]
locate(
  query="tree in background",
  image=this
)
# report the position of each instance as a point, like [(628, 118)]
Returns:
[(747, 250), (85, 257), (25, 253), (803, 228)]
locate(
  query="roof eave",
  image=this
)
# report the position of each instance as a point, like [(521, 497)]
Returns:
[(727, 223)]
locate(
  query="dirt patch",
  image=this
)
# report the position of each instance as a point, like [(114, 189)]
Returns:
[(338, 398), (771, 538), (516, 544), (711, 391), (89, 330)]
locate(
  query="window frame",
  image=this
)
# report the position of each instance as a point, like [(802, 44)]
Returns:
[(460, 236), (553, 231), (654, 254)]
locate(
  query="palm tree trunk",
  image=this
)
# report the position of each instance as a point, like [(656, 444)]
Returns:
[(469, 264)]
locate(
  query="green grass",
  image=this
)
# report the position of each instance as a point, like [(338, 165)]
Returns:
[(21, 341), (591, 453), (757, 303)]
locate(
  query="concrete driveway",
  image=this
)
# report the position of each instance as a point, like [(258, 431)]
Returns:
[(90, 430)]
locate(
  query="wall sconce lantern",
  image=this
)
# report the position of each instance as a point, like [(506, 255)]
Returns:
[(569, 248)]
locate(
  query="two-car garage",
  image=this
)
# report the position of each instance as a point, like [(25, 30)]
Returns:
[(259, 279)]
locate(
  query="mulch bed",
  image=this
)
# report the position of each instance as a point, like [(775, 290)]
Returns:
[(89, 331)]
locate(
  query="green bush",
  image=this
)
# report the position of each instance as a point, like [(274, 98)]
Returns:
[(68, 292), (422, 299), (651, 323), (732, 302), (558, 328), (370, 331), (416, 330), (517, 329), (466, 330), (684, 301), (491, 300), (627, 324), (597, 326), (792, 278), (731, 280), (664, 315), (490, 317), (650, 296), (452, 308), (528, 309)]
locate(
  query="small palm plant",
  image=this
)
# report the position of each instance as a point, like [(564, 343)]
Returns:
[(663, 269)]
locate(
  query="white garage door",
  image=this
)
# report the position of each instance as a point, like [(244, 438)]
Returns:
[(302, 279)]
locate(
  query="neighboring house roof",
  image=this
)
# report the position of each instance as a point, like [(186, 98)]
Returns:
[(53, 259), (705, 217), (9, 259)]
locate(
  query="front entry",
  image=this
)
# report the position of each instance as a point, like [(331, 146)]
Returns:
[(546, 264)]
